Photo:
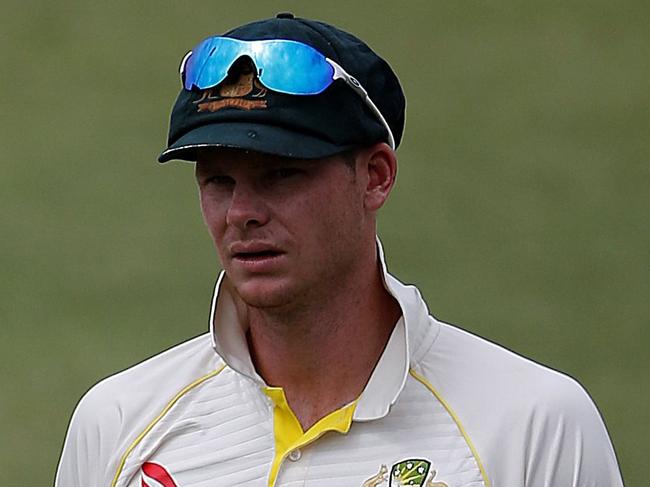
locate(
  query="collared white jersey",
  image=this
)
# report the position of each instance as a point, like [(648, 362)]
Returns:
[(443, 408)]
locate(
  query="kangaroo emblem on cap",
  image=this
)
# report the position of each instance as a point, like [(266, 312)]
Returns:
[(241, 89)]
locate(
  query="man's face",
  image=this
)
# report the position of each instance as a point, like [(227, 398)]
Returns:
[(285, 230)]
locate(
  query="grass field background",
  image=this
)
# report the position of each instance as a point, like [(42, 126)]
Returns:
[(521, 208)]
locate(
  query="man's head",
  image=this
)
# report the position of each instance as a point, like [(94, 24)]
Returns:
[(293, 124), (226, 103)]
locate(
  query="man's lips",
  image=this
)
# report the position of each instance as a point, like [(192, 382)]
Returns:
[(254, 251), (253, 256)]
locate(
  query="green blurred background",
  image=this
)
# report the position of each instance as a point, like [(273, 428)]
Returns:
[(521, 208)]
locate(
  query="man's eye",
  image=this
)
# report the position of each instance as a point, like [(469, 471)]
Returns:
[(220, 180)]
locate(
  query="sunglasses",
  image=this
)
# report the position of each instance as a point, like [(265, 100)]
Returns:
[(284, 66)]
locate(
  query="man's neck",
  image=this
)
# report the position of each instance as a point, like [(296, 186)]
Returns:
[(322, 356)]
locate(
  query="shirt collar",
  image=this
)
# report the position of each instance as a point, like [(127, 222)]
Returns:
[(228, 322)]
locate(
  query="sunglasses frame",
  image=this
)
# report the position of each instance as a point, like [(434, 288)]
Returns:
[(338, 73)]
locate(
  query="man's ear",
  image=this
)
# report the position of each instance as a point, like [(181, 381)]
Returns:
[(379, 166)]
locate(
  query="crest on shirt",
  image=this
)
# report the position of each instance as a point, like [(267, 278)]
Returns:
[(414, 472), (154, 475)]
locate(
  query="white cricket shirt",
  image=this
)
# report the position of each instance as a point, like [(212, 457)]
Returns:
[(443, 408)]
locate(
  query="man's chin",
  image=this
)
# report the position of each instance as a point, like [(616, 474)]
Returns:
[(264, 293)]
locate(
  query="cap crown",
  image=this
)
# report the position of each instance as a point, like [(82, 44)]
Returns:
[(296, 125)]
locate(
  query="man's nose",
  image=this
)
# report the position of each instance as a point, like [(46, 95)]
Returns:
[(247, 208)]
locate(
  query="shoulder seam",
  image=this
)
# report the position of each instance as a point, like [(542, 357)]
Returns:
[(162, 414), (456, 419)]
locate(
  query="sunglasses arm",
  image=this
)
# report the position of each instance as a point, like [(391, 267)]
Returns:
[(351, 81)]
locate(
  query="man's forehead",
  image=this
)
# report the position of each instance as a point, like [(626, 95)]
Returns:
[(222, 157)]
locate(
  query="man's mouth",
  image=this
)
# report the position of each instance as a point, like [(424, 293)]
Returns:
[(256, 256), (259, 255)]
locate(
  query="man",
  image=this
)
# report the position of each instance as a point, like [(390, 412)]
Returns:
[(320, 368)]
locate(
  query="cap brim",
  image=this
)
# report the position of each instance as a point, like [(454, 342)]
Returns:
[(263, 138)]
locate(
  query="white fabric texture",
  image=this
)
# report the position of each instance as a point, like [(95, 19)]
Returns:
[(475, 413)]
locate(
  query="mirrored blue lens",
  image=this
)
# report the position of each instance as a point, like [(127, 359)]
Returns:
[(293, 68), (209, 63), (285, 66)]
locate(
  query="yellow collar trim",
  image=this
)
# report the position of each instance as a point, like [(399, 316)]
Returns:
[(288, 432)]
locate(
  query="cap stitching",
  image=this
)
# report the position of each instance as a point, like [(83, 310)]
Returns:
[(305, 23)]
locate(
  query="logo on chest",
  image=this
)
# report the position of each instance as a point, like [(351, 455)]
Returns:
[(414, 472), (154, 475)]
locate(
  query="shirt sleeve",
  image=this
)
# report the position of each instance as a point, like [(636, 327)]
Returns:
[(90, 444), (568, 443)]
